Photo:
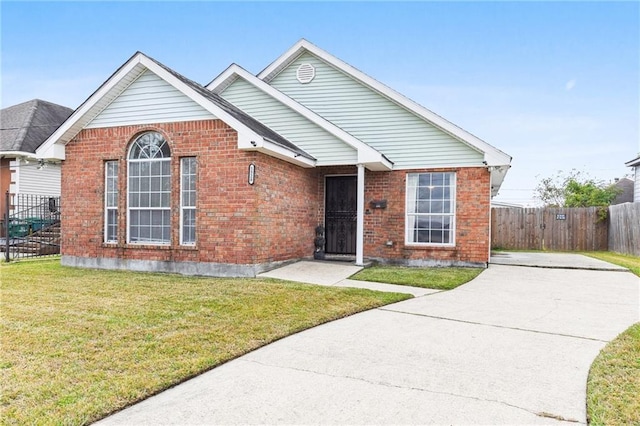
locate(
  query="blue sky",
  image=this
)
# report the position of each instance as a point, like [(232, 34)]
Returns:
[(555, 85)]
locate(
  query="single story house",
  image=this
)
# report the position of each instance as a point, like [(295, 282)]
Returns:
[(23, 128), (626, 187), (234, 178), (635, 165)]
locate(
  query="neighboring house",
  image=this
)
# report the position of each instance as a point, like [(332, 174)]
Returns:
[(625, 186), (506, 205), (635, 164), (231, 179), (23, 128)]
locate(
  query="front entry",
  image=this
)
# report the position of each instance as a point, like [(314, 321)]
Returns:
[(340, 214)]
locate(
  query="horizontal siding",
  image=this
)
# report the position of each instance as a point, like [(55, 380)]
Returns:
[(149, 99), (636, 185), (322, 145), (34, 181), (403, 137)]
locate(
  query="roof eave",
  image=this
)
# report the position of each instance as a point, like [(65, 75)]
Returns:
[(370, 157), (633, 163)]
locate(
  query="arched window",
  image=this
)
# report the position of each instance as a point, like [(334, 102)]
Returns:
[(149, 190)]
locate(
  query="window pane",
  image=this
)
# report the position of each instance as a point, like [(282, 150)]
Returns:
[(437, 179), (430, 216), (155, 200), (424, 179), (156, 168), (166, 168)]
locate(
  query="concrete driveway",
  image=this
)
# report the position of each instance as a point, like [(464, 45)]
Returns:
[(514, 346)]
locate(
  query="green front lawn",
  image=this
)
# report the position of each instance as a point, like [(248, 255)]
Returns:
[(435, 278), (613, 387), (79, 344), (631, 262)]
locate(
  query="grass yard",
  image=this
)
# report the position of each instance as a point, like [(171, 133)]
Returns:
[(613, 387), (631, 262), (435, 278), (79, 344)]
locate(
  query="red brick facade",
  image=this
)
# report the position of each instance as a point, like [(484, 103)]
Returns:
[(241, 224), (384, 226)]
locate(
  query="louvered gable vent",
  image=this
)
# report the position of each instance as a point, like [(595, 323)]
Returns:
[(305, 73)]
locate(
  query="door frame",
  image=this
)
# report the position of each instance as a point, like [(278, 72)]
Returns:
[(324, 215)]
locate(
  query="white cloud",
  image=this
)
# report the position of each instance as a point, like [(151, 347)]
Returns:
[(570, 84)]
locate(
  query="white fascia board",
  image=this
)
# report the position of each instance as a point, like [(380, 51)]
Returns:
[(366, 154), (68, 130), (274, 150), (633, 163), (17, 154), (224, 79), (493, 156), (82, 116), (285, 59), (198, 98), (247, 138)]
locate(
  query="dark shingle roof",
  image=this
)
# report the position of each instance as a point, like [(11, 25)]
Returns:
[(25, 126), (626, 194), (238, 114)]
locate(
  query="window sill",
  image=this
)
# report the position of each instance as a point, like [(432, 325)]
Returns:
[(113, 245), (417, 246), (148, 246)]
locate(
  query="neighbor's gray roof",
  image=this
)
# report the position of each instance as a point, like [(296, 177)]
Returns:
[(238, 114), (626, 196), (25, 126)]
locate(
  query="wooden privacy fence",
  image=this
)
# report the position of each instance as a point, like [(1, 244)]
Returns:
[(564, 229), (624, 228)]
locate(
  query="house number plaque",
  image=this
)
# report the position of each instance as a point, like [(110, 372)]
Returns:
[(252, 173)]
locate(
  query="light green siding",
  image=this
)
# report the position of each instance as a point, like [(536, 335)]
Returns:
[(149, 99), (322, 145), (403, 137)]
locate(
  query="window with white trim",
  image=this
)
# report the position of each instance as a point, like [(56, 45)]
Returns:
[(188, 200), (430, 212), (149, 190), (111, 201)]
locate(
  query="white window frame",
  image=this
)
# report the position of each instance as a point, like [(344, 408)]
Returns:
[(409, 231), (108, 207), (192, 205), (131, 209)]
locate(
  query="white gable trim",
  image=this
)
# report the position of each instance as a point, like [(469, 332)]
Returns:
[(368, 156), (53, 147), (492, 155)]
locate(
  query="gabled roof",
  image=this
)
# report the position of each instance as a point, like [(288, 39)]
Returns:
[(625, 185), (252, 135), (370, 157), (493, 156), (24, 127)]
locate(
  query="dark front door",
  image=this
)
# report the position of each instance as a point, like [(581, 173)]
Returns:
[(340, 214)]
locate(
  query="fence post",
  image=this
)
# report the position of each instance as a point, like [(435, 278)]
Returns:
[(6, 228)]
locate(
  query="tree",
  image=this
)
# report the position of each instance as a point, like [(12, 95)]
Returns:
[(575, 189)]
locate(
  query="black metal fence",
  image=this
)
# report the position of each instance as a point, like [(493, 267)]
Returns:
[(31, 226)]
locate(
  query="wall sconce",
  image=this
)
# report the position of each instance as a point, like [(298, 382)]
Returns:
[(252, 174)]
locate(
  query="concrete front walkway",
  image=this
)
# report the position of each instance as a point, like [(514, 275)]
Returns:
[(336, 274), (513, 346)]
